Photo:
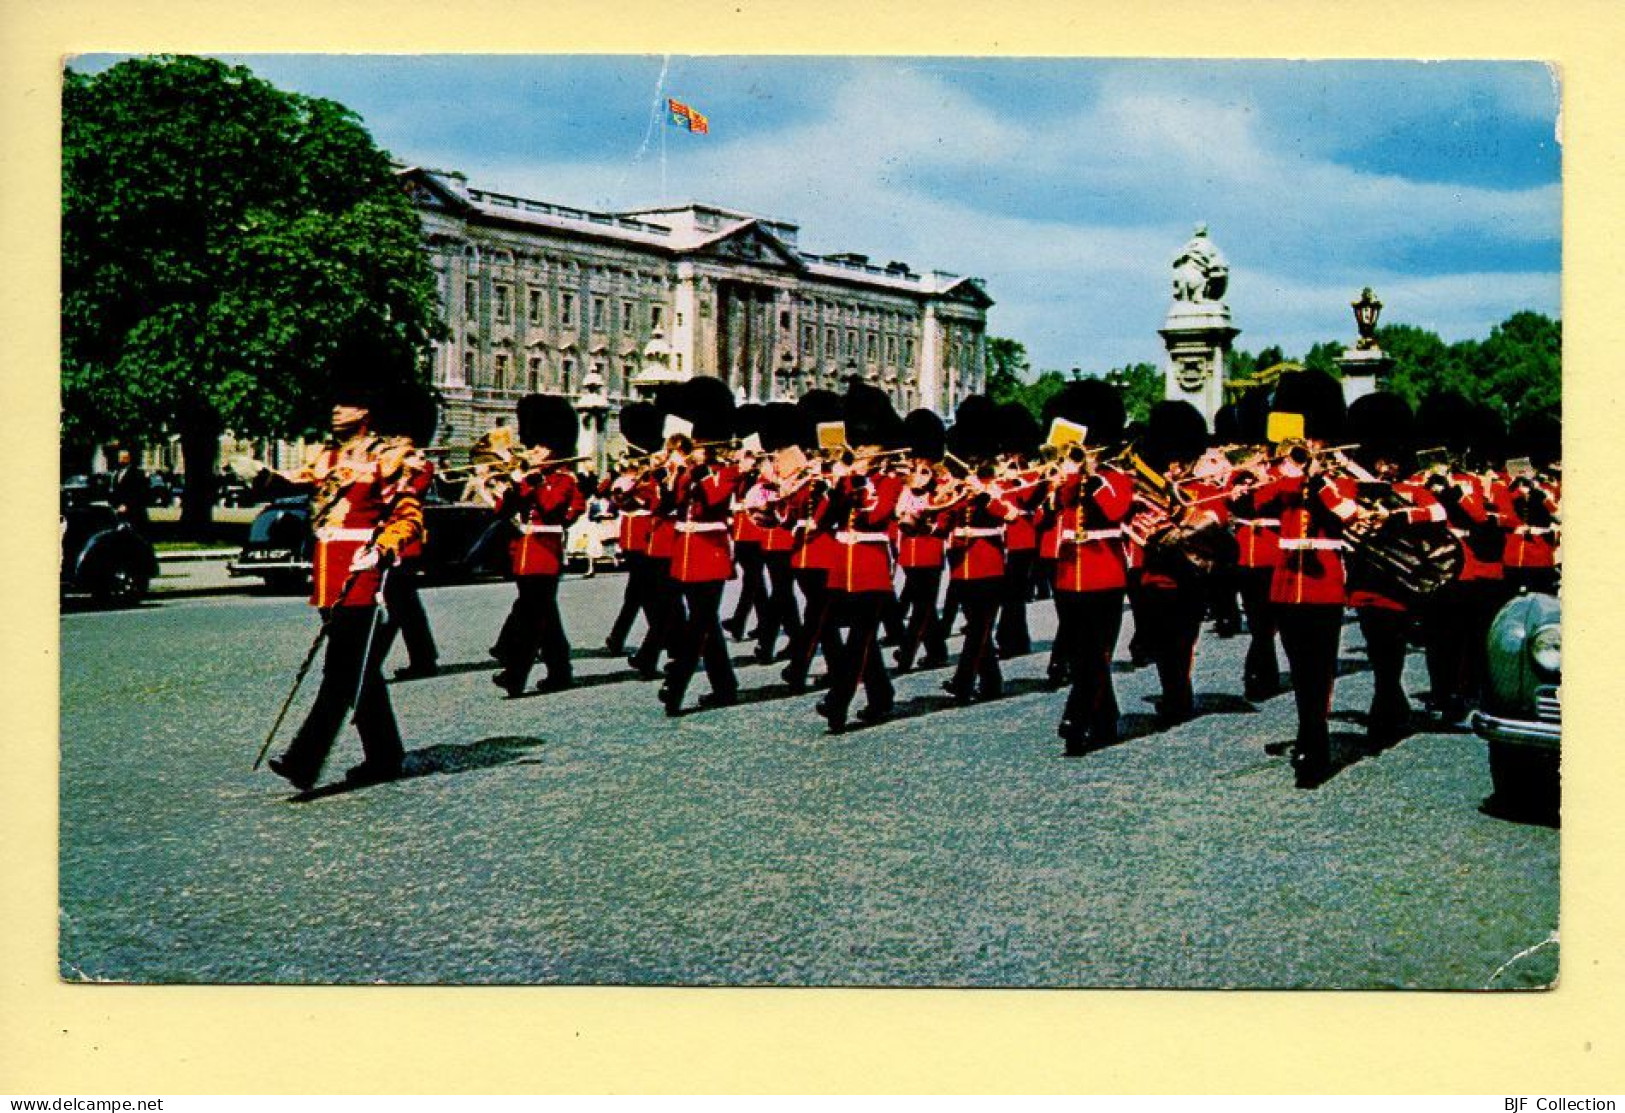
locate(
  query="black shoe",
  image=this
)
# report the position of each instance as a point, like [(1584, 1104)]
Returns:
[(835, 715), (299, 779), (719, 699), (1055, 679), (508, 683), (735, 630), (373, 773), (1075, 737), (1309, 772), (614, 647), (961, 695), (495, 653), (418, 672), (985, 695), (933, 661), (672, 700), (762, 656), (556, 684)]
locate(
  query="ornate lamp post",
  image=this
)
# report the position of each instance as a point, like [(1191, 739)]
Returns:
[(1365, 364), (593, 407), (1366, 311)]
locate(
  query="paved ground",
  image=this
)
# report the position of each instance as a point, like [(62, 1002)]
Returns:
[(583, 837)]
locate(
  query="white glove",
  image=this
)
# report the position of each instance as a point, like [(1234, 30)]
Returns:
[(364, 559)]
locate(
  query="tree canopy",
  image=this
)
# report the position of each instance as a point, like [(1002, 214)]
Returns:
[(227, 249), (1517, 369)]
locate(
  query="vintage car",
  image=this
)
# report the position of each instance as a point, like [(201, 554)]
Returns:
[(102, 556), (1521, 719), (280, 545)]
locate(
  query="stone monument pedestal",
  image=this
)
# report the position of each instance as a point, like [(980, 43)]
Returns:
[(1361, 368), (1199, 340)]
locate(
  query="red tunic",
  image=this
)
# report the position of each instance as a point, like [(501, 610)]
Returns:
[(918, 546), (976, 538), (702, 552), (1531, 545), (1024, 495), (1211, 506), (1089, 533), (815, 546), (366, 496), (544, 505), (1311, 512), (1474, 512), (864, 560), (635, 501)]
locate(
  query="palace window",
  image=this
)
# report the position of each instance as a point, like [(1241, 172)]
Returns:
[(534, 311), (830, 342), (784, 318), (908, 350), (626, 316), (504, 302), (872, 348), (535, 373), (809, 337), (657, 314), (567, 310), (568, 371), (468, 368), (598, 314), (852, 342), (499, 380), (891, 349), (471, 299)]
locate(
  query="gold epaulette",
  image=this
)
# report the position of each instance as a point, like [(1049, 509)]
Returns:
[(396, 455)]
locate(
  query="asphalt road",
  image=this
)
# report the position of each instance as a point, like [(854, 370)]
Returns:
[(583, 837)]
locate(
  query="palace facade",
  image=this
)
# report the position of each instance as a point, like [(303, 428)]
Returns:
[(607, 306)]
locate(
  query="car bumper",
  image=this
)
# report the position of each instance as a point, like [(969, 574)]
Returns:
[(1517, 732), (267, 567)]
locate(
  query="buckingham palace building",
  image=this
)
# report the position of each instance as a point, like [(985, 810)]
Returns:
[(542, 297)]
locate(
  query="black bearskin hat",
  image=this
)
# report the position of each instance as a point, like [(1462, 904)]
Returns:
[(1381, 425), (926, 435), (548, 421), (1175, 431), (1093, 403), (1318, 397)]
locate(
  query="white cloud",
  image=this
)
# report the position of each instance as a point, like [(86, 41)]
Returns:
[(1131, 171)]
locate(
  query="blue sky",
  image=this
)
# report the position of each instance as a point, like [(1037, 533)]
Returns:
[(1065, 184)]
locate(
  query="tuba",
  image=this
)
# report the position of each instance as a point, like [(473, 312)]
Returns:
[(1405, 560), (1160, 526)]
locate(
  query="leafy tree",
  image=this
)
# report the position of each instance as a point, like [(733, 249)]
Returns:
[(226, 246), (1142, 386), (1324, 356), (1521, 364), (1007, 368)]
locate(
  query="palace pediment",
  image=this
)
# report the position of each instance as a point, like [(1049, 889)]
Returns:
[(749, 242)]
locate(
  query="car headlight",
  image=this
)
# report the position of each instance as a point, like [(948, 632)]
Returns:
[(1546, 649)]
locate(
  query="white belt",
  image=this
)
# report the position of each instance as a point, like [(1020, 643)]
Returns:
[(1090, 534), (701, 527), (1311, 543), (851, 537), (528, 528), (339, 533), (1275, 522), (980, 531), (634, 513), (1535, 531)]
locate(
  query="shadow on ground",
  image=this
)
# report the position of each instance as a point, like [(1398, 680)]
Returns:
[(444, 760)]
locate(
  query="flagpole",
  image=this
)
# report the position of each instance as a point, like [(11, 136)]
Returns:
[(664, 125)]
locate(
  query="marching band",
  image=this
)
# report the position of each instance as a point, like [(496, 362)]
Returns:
[(825, 507)]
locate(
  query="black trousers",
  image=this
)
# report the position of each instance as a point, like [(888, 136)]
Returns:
[(1222, 584), (1173, 621), (1013, 638), (752, 588), (666, 605), (1310, 633), (978, 670), (701, 639), (637, 598), (1386, 645), (1093, 621), (1531, 579), (817, 632), (1043, 582), (1455, 625), (921, 626), (858, 656), (407, 614), (1261, 674), (1139, 643), (781, 615), (347, 632), (537, 625)]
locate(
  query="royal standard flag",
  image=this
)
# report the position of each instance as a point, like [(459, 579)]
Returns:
[(681, 115)]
